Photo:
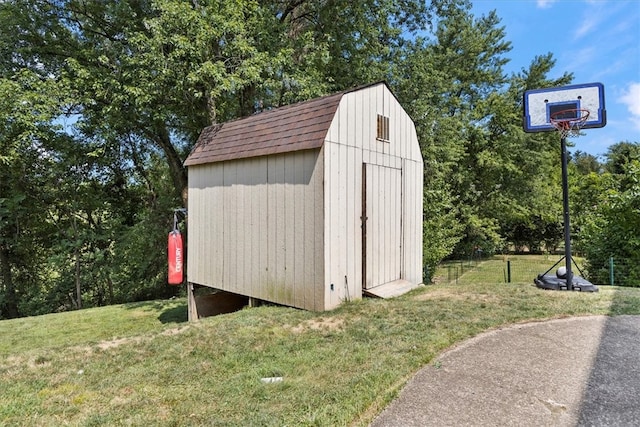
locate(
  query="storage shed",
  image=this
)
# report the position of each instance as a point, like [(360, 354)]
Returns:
[(310, 204)]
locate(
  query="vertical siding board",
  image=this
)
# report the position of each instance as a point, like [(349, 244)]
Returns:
[(411, 218), (416, 196), (393, 124), (360, 113), (381, 211), (255, 182), (357, 191), (378, 239), (349, 220), (343, 119), (242, 245), (335, 196), (327, 222), (366, 156), (333, 134), (260, 227), (367, 194), (305, 267), (419, 217), (407, 221), (391, 226), (202, 226), (212, 215), (401, 225), (406, 136), (416, 214), (352, 119), (270, 271), (320, 272), (372, 226), (414, 204), (298, 259), (329, 196), (367, 114), (339, 219), (195, 239), (277, 289), (289, 227), (230, 226), (378, 227), (309, 277), (351, 217), (402, 141)]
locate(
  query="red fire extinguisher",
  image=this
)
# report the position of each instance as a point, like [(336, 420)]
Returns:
[(176, 259)]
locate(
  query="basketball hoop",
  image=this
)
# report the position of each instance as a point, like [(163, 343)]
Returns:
[(569, 122)]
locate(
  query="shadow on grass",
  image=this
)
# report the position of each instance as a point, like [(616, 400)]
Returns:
[(176, 314), (170, 311)]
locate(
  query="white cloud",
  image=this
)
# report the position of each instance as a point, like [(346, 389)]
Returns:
[(594, 15), (586, 27), (545, 4), (631, 98)]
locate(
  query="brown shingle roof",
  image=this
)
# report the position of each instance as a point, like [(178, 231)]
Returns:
[(294, 127)]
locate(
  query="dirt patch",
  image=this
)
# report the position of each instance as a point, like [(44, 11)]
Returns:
[(449, 294), (329, 324), (105, 345)]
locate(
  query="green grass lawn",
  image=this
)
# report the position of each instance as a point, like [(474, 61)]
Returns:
[(499, 268), (141, 364)]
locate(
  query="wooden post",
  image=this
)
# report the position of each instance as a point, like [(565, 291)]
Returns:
[(192, 309)]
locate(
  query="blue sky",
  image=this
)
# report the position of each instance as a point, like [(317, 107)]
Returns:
[(596, 40)]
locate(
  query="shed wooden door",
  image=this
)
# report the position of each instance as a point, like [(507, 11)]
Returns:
[(381, 225)]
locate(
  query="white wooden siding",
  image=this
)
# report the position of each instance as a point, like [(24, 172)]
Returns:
[(252, 227), (287, 228), (351, 142)]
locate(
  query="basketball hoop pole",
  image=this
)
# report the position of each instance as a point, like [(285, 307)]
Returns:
[(567, 110), (565, 207)]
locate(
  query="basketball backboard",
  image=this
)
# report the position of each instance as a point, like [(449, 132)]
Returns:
[(566, 103)]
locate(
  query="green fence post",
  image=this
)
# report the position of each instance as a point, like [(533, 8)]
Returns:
[(611, 271), (509, 271)]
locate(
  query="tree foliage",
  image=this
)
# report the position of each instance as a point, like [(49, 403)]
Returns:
[(610, 223), (102, 101)]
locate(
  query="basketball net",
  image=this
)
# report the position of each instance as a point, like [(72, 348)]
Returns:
[(569, 126)]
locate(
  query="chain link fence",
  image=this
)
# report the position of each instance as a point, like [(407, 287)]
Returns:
[(524, 268)]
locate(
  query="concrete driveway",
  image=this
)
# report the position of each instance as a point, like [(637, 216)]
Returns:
[(578, 371)]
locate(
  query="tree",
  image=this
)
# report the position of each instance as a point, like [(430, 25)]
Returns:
[(585, 163), (612, 228), (140, 79), (28, 140), (496, 182), (137, 80)]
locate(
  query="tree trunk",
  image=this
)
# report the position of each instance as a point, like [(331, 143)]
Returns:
[(110, 283), (178, 173), (9, 309), (78, 285), (76, 254)]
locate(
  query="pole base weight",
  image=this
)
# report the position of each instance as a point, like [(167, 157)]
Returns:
[(553, 283)]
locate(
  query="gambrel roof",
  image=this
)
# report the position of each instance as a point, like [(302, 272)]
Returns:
[(300, 126), (294, 127)]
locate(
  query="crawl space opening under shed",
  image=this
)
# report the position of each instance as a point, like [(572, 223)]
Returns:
[(310, 204)]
